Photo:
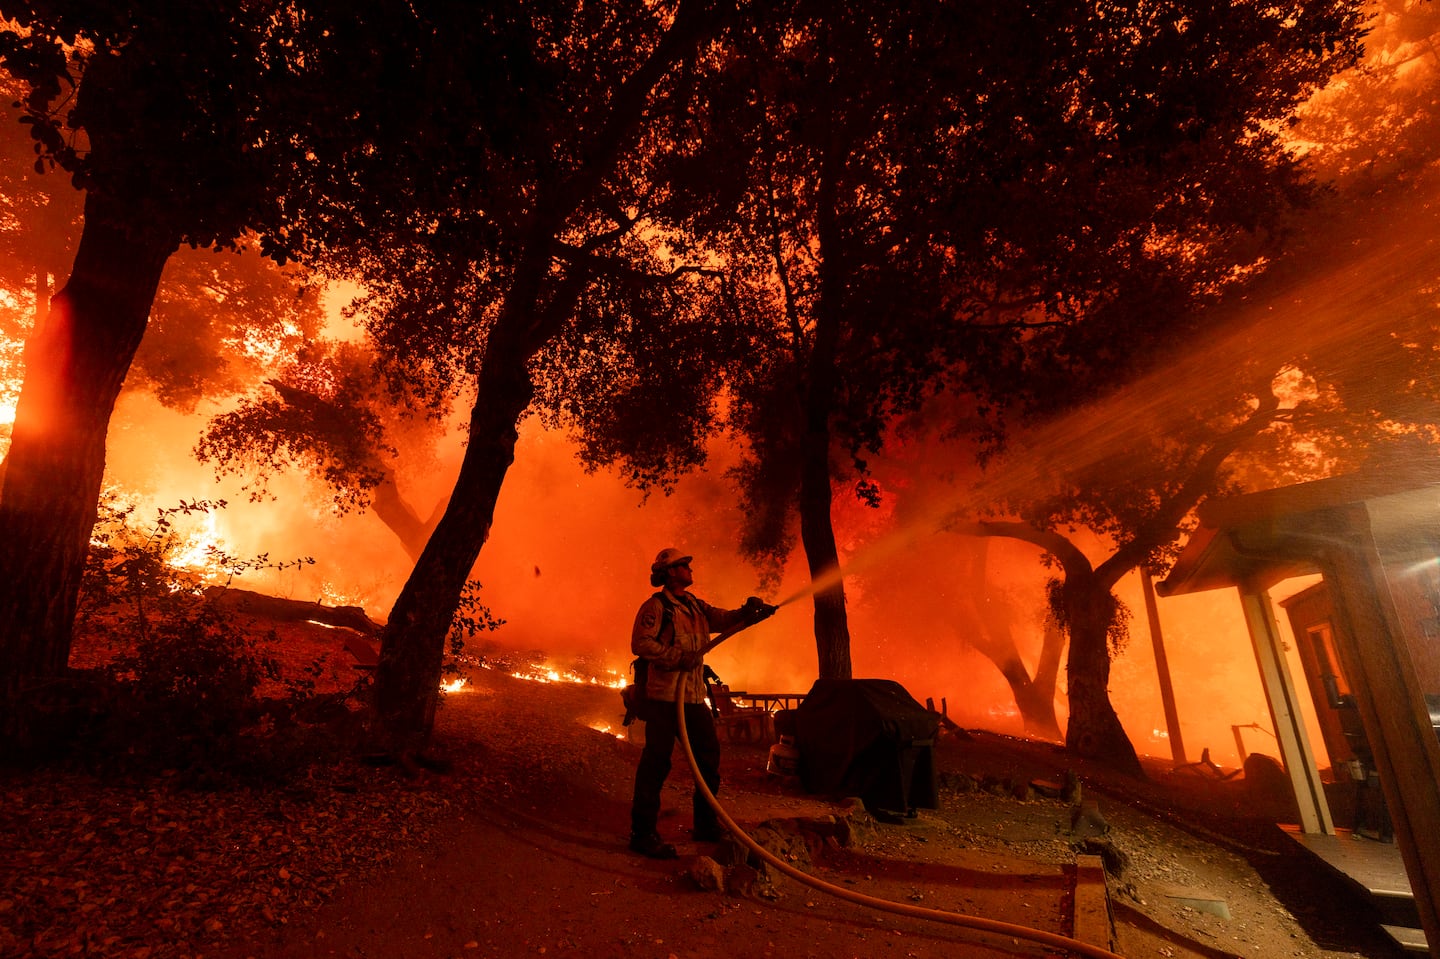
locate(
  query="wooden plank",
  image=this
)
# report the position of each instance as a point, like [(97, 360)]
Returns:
[(1411, 940), (1092, 924), (1283, 700), (1376, 867)]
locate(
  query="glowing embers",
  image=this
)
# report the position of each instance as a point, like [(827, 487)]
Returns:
[(545, 673), (609, 730)]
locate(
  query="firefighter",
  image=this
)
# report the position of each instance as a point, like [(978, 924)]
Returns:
[(671, 630)]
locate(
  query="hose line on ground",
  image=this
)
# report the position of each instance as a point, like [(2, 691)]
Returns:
[(899, 908)]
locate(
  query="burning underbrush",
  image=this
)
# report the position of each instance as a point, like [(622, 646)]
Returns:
[(539, 665), (216, 679)]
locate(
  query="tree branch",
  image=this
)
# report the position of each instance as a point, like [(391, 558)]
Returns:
[(1164, 526), (1071, 559)]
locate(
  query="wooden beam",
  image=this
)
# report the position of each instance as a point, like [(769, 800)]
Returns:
[(1162, 669), (1375, 652), (1092, 923), (1281, 696)]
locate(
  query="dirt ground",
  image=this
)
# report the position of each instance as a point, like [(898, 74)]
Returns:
[(519, 849)]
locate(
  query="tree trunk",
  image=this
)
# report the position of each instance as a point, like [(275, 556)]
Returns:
[(75, 363), (817, 534), (1036, 709), (1047, 670), (392, 509), (817, 530), (412, 647), (993, 637), (1034, 698), (1094, 730)]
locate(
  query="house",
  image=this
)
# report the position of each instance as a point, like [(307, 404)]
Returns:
[(1369, 646)]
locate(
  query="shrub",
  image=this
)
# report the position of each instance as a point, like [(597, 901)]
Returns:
[(181, 686)]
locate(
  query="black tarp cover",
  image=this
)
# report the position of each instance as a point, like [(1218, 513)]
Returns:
[(867, 738)]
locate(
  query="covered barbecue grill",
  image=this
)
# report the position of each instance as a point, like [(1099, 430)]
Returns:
[(867, 738)]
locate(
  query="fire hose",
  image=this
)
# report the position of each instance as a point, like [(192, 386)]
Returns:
[(849, 895)]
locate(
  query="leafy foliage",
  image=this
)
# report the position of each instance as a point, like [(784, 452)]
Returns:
[(185, 680), (220, 322), (1117, 616), (902, 206), (123, 96), (472, 617), (322, 412)]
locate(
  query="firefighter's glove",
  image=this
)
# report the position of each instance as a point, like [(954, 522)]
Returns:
[(757, 609), (690, 659)]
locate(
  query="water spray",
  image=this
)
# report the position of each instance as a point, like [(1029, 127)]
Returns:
[(1054, 940)]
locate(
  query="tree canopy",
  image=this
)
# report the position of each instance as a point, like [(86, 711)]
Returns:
[(1020, 202)]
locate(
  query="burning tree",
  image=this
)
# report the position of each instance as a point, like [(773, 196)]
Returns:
[(1320, 361), (218, 318), (154, 160)]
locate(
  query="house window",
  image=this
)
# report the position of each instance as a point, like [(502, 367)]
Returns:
[(1322, 643)]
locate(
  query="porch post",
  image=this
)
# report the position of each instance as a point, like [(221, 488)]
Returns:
[(1285, 715), (1376, 654)]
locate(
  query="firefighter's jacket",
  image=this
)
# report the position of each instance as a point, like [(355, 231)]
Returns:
[(693, 621)]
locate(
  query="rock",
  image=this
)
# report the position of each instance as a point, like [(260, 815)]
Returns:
[(957, 782), (1071, 792), (1116, 860), (859, 826), (785, 840), (707, 873), (748, 883), (731, 852), (1086, 820)]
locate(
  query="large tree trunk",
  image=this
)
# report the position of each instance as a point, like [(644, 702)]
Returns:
[(1094, 730), (75, 363), (412, 647), (1037, 709), (1047, 669), (1034, 696), (817, 531), (817, 534)]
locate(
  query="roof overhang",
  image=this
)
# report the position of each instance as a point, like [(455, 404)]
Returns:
[(1260, 539)]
